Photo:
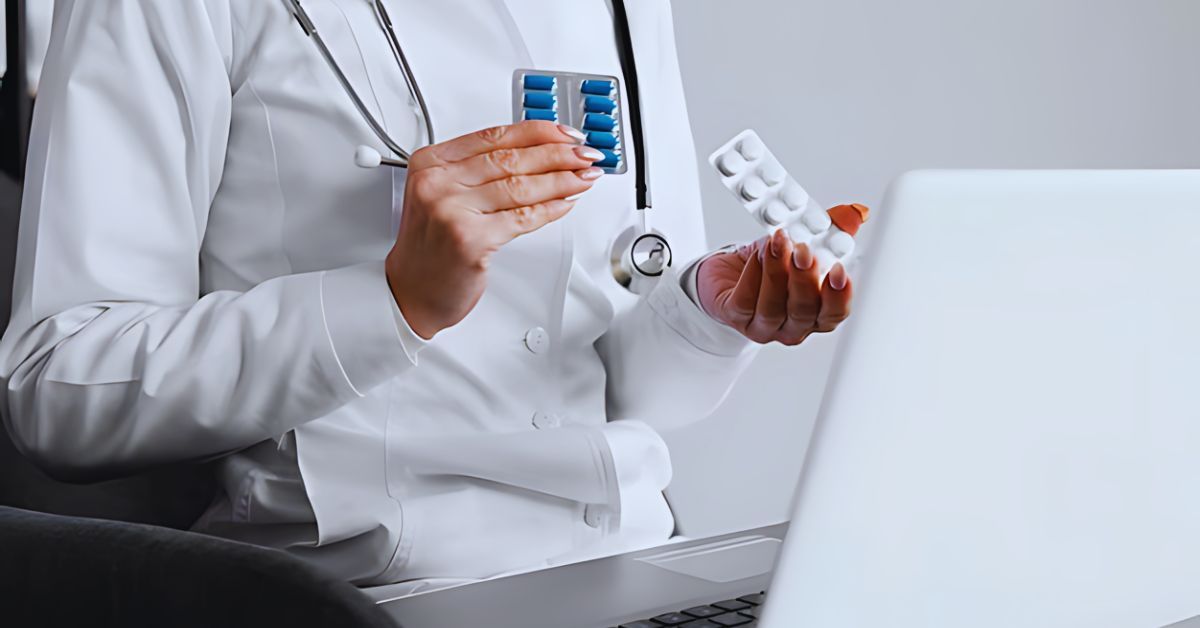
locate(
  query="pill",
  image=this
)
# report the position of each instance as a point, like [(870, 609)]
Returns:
[(849, 218), (795, 197), (840, 243), (539, 82), (753, 188), (731, 163), (612, 159), (598, 104), (775, 213), (773, 173), (799, 233), (597, 87), (600, 139), (752, 148), (816, 220), (599, 122), (541, 114), (539, 100), (825, 259)]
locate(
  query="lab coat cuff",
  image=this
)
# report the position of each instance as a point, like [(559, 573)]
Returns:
[(409, 339), (683, 314), (360, 319)]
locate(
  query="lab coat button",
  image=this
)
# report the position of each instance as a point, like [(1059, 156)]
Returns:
[(546, 421), (593, 516), (537, 340)]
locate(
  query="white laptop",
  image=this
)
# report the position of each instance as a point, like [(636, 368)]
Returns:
[(1010, 437)]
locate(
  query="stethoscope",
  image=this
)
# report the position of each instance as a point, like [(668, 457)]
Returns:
[(639, 256)]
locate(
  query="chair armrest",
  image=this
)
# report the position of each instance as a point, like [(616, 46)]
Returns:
[(71, 571)]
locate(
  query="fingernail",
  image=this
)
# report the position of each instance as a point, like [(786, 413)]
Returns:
[(574, 197), (590, 174), (802, 258), (589, 153), (837, 277), (572, 133), (776, 246)]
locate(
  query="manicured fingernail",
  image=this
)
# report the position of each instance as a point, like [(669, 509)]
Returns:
[(776, 244), (837, 277), (572, 133), (590, 154), (591, 174), (802, 257)]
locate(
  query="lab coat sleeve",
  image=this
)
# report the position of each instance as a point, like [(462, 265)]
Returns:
[(668, 363), (113, 360)]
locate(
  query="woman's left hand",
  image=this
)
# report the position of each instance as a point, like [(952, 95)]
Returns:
[(770, 291)]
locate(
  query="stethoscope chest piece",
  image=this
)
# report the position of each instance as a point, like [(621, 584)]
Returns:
[(639, 258)]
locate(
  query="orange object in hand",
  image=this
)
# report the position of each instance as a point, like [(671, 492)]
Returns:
[(849, 218)]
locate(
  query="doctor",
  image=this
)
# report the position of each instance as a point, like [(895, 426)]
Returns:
[(408, 375)]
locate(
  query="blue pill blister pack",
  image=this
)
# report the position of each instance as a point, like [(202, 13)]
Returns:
[(588, 102)]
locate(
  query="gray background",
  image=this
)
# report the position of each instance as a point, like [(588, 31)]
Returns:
[(850, 93)]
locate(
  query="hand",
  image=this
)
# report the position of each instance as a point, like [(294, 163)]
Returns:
[(770, 291), (467, 197)]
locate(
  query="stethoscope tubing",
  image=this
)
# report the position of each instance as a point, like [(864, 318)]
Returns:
[(368, 157), (310, 29)]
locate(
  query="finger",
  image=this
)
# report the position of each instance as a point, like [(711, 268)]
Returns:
[(519, 135), (509, 224), (804, 297), (531, 189), (770, 312), (512, 162), (836, 294), (743, 299)]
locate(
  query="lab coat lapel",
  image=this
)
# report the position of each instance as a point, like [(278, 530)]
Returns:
[(462, 54), (360, 47)]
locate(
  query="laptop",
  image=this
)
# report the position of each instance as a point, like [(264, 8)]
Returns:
[(1010, 435)]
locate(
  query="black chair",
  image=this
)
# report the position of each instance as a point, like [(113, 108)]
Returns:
[(68, 571), (115, 553)]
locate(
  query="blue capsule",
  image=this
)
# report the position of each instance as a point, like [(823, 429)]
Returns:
[(539, 82), (611, 159), (598, 139), (598, 104), (541, 114), (539, 100), (597, 87), (599, 122)]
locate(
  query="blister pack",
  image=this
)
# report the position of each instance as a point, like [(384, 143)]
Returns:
[(751, 172), (588, 102)]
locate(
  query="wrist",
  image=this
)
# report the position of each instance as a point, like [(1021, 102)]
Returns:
[(419, 324), (693, 285)]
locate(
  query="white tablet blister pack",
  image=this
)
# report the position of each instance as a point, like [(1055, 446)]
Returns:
[(752, 173)]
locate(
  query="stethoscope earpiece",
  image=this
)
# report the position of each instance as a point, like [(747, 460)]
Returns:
[(367, 157)]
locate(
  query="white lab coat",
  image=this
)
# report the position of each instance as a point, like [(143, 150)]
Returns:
[(200, 274), (37, 33)]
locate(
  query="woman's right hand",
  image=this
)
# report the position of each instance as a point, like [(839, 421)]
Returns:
[(467, 197)]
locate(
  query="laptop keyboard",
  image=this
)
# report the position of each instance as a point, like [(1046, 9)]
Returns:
[(742, 611)]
